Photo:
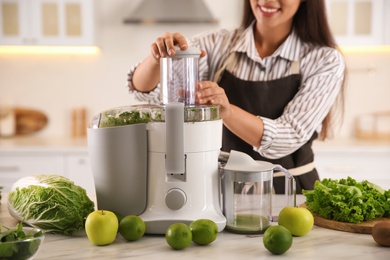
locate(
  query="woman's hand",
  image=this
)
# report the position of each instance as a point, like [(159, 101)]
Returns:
[(212, 94), (164, 45)]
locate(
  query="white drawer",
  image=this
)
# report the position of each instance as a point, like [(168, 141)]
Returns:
[(14, 167)]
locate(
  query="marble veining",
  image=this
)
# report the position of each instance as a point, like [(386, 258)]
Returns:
[(319, 243)]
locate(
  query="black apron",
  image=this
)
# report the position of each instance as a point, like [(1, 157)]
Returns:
[(268, 99)]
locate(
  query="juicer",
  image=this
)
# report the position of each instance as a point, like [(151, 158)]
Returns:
[(160, 161)]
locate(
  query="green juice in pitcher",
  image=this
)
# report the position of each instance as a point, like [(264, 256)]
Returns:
[(248, 224)]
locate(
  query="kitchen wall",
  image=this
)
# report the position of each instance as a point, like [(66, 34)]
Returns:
[(57, 83)]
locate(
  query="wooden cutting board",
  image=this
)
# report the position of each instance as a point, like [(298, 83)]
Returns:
[(362, 228), (29, 120)]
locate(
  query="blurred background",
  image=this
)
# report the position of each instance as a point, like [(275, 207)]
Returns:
[(63, 85), (57, 83)]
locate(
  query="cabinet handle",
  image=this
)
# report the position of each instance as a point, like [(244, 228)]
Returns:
[(81, 161), (9, 169)]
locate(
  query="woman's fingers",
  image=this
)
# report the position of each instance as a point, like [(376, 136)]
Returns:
[(155, 51), (210, 92), (164, 45), (179, 39), (168, 44), (202, 53)]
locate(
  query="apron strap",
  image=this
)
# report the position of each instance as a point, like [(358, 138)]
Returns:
[(230, 62)]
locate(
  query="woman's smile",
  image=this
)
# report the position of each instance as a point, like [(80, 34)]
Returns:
[(275, 15), (268, 11)]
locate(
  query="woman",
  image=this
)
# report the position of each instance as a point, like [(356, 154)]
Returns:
[(275, 78)]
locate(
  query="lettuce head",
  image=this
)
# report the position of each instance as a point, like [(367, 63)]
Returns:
[(348, 200), (51, 202)]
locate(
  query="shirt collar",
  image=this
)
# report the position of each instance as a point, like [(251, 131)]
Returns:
[(288, 50)]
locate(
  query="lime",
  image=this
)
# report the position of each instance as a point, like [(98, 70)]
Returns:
[(277, 239), (132, 227), (204, 231), (178, 236)]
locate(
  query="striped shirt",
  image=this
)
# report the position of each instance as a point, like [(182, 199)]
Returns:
[(321, 69)]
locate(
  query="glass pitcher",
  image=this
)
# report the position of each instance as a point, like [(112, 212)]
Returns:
[(247, 192)]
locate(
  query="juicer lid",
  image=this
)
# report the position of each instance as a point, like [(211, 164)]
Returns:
[(242, 162), (190, 52), (128, 115)]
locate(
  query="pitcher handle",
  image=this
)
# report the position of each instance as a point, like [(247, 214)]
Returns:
[(290, 186)]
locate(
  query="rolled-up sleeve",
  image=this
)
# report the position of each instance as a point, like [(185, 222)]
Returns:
[(322, 79), (152, 97)]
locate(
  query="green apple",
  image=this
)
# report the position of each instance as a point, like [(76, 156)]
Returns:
[(101, 227), (298, 220)]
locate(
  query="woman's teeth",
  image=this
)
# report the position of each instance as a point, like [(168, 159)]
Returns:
[(269, 10)]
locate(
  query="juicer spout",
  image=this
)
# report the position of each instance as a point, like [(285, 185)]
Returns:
[(223, 156)]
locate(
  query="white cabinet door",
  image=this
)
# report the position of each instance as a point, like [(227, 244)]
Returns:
[(79, 171), (62, 22), (14, 167), (47, 22), (358, 22), (15, 28), (373, 166)]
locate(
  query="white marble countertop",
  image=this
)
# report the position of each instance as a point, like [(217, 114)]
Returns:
[(319, 243)]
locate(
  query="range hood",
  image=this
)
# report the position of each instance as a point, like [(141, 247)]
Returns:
[(171, 11)]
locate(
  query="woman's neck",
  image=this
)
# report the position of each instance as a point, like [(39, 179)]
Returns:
[(268, 40)]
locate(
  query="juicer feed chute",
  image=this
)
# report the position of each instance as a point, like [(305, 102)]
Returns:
[(179, 76)]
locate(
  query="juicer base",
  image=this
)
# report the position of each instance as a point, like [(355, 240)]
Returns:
[(159, 225)]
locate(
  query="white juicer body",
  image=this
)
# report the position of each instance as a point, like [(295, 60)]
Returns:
[(193, 194)]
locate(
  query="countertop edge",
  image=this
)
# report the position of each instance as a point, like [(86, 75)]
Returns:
[(68, 144)]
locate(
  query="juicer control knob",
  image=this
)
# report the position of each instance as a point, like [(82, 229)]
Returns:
[(175, 199)]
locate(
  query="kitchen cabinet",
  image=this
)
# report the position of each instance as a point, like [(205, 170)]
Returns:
[(14, 166), (73, 165), (69, 157), (361, 162), (359, 22), (47, 22), (77, 168)]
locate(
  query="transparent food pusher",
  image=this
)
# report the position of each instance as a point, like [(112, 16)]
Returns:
[(160, 161)]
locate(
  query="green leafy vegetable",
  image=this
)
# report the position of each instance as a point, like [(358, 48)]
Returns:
[(347, 200), (52, 203), (24, 245), (124, 118)]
